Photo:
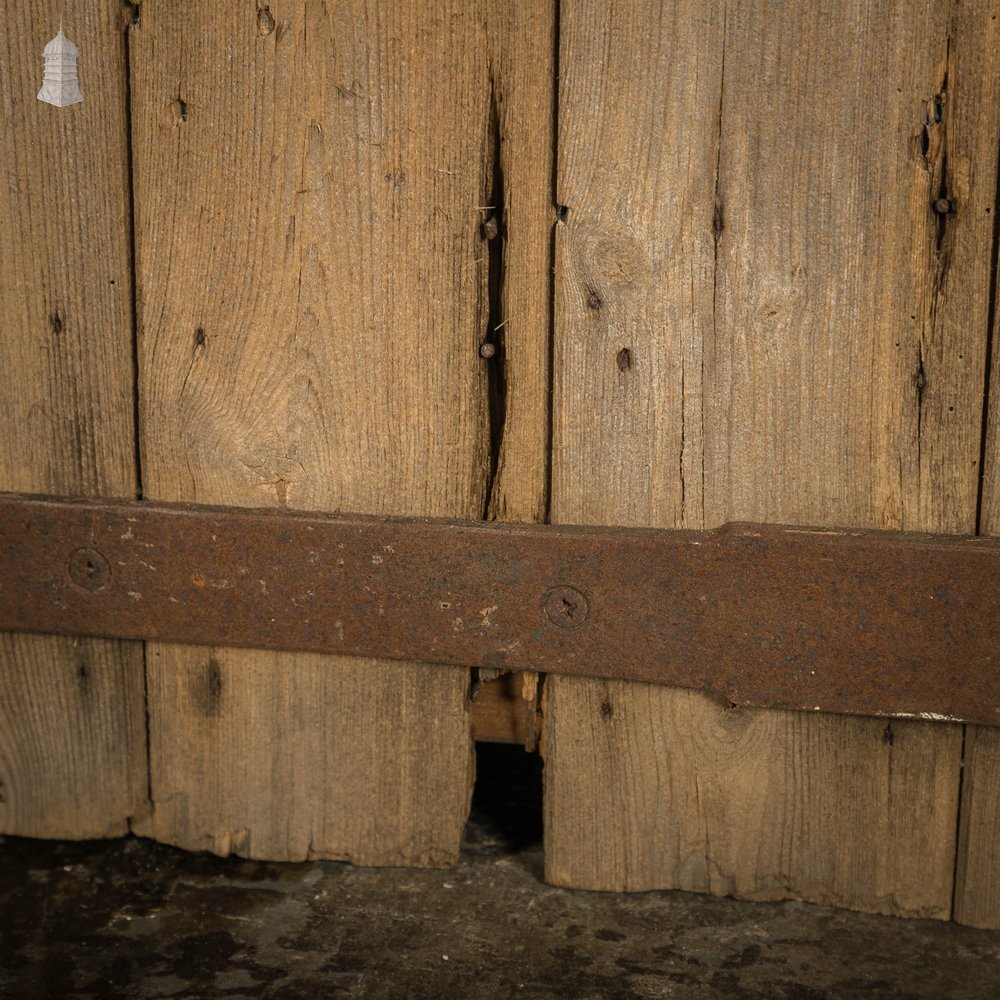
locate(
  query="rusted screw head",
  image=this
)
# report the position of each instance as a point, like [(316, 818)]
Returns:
[(566, 607), (487, 351), (89, 570), (942, 206)]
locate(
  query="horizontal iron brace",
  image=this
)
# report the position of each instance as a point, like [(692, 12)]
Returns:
[(860, 622)]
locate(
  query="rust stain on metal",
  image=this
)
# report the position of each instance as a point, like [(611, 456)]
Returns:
[(864, 623)]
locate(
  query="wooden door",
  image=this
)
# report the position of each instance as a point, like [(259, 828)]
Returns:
[(257, 267)]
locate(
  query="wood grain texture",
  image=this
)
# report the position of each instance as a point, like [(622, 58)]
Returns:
[(977, 885), (634, 260), (522, 57), (522, 51), (313, 296), (805, 345), (977, 877), (764, 805), (72, 735)]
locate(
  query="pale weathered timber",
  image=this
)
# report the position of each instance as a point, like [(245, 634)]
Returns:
[(522, 54), (805, 345), (977, 876), (636, 161), (72, 736), (311, 184)]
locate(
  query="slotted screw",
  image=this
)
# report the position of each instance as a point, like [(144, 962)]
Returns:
[(566, 607), (89, 570)]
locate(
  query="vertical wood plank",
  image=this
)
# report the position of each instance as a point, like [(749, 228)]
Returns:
[(72, 729), (977, 887), (634, 259), (635, 254), (806, 345), (310, 187), (977, 876), (522, 68)]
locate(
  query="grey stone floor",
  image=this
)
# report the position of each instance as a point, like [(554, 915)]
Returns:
[(131, 918)]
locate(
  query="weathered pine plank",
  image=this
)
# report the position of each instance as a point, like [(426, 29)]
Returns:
[(806, 345), (313, 277), (72, 732), (636, 162), (977, 885), (977, 877), (522, 54), (522, 58)]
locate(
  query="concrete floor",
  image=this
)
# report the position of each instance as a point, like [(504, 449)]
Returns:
[(131, 918)]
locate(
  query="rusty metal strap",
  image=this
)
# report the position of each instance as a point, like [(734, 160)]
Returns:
[(858, 622)]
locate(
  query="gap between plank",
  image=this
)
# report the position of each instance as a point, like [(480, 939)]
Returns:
[(132, 23)]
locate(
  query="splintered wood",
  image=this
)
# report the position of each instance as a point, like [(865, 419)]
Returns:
[(752, 226)]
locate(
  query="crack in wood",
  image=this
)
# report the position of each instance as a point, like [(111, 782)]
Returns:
[(496, 366)]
